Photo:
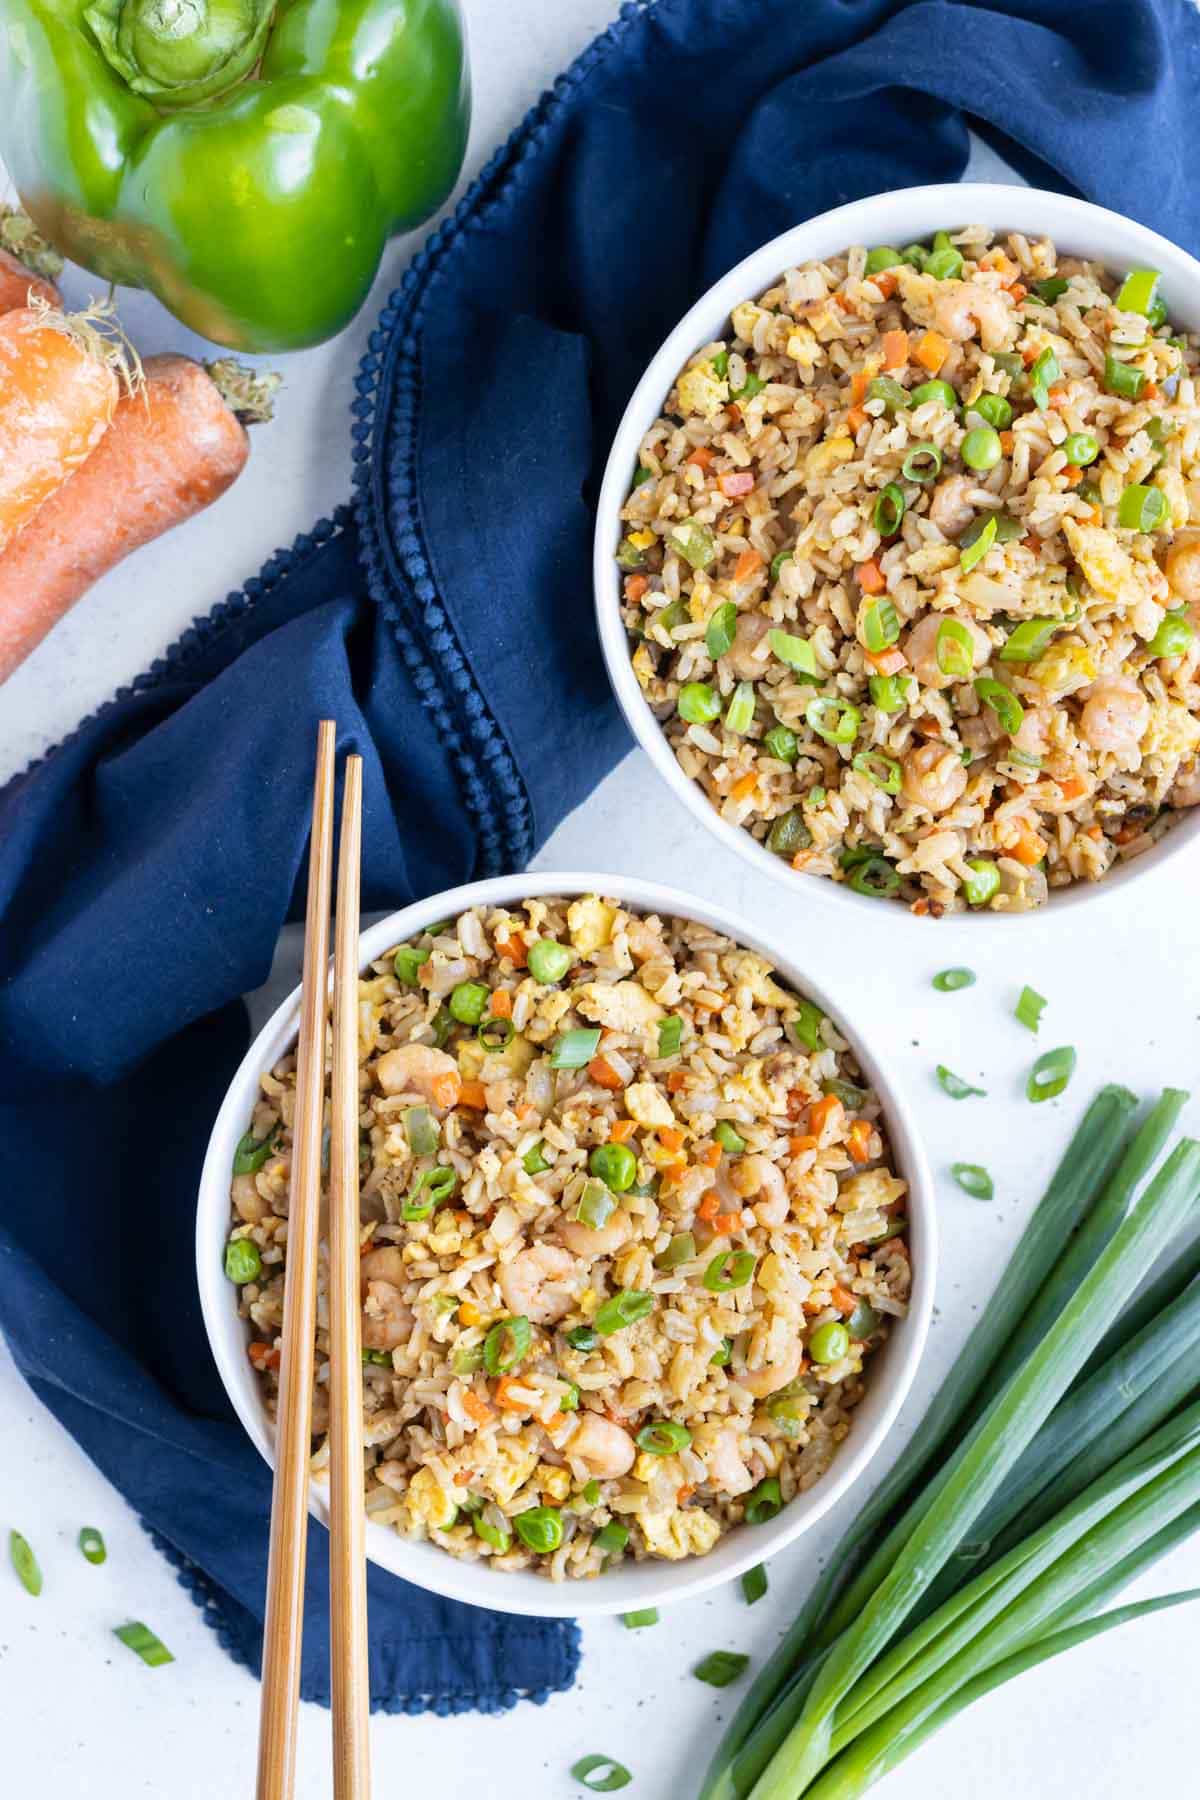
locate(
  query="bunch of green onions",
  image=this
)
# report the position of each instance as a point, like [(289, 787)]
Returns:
[(1060, 1459)]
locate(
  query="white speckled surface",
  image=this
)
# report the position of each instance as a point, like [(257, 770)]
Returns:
[(83, 1716)]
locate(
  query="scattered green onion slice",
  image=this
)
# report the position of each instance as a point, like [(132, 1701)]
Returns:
[(1051, 1073), (1138, 291), (494, 1033), (541, 1528), (889, 509), (806, 1026), (252, 1153), (611, 1538), (780, 742), (796, 652), (720, 1358), (1142, 508), (777, 562), (876, 878), (1051, 290), (935, 390), (718, 636), (1080, 448), (635, 1621), (955, 648), (954, 1085), (642, 474), (629, 554), (696, 543), (681, 1249), (1123, 378), (582, 1337), (1003, 702), (1027, 641), (739, 714), (507, 1344), (764, 1501), (698, 703), (729, 1139), (670, 1035), (880, 625), (624, 1308), (407, 963), (721, 1667), (498, 1536), (833, 719), (994, 410), (851, 1097), (144, 1643), (25, 1563), (1029, 1008), (1043, 374), (1173, 636), (754, 1584), (888, 692), (243, 1261), (92, 1544), (534, 1162), (883, 770), (548, 960), (789, 833), (949, 981), (575, 1049), (382, 1359), (973, 1179), (429, 1190), (895, 398), (981, 448), (663, 1437), (922, 464), (465, 1361), (719, 364), (883, 257), (729, 1269), (753, 384), (596, 1203), (981, 542)]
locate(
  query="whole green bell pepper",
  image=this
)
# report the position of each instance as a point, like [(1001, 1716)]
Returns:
[(245, 161)]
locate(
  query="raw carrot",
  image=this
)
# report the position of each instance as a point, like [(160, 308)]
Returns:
[(58, 392), (747, 564), (17, 284), (870, 577), (170, 451), (932, 351), (622, 1131), (471, 1093), (603, 1073), (501, 1004), (895, 349)]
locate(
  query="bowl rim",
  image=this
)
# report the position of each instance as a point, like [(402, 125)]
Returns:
[(900, 215), (651, 1582)]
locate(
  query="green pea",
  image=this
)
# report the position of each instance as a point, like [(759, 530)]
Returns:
[(994, 409), (468, 1002), (882, 258), (728, 1138), (698, 703), (981, 448), (1080, 449), (615, 1165), (935, 390), (407, 963), (829, 1343), (243, 1262), (548, 960)]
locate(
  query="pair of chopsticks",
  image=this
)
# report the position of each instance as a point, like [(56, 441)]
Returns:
[(289, 1502)]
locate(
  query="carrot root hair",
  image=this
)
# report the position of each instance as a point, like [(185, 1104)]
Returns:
[(97, 332)]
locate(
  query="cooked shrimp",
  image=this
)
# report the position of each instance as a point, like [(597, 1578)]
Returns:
[(1185, 790), (743, 656), (387, 1320), (921, 648), (726, 1470), (773, 1375), (420, 1069), (607, 1449), (250, 1205), (384, 1264), (962, 308), (1030, 735), (934, 776), (1182, 569), (1115, 714), (393, 1474), (529, 1281), (759, 1175), (949, 509), (596, 1240)]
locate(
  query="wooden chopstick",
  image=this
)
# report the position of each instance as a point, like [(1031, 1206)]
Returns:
[(293, 1438), (347, 1547)]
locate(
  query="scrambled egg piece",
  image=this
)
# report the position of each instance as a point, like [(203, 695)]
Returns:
[(555, 1483), (514, 1463), (1106, 564), (1172, 731), (645, 1103), (746, 969), (745, 320), (824, 457), (619, 1006), (477, 1064), (679, 1534), (874, 1187), (429, 1502), (701, 390), (748, 1085), (803, 348), (590, 923)]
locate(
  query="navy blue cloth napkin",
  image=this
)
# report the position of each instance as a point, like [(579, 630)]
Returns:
[(444, 619)]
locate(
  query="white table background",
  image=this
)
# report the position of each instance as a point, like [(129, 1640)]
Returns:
[(83, 1716)]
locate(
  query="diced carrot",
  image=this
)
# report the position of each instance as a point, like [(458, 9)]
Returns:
[(744, 786), (1151, 391), (603, 1073), (709, 1206), (1029, 355), (555, 1420), (858, 1141), (843, 302), (622, 1131), (736, 482), (1072, 787), (526, 1110), (635, 587), (932, 351), (1018, 290), (1029, 848), (501, 1004), (798, 1145), (843, 1299), (670, 1137), (856, 418), (823, 1112), (1007, 442), (797, 1104), (683, 1494), (870, 577), (701, 457), (887, 662), (710, 1156), (445, 1089), (1072, 475), (471, 1094), (858, 386), (264, 1356), (746, 565), (725, 1224), (676, 1080), (887, 282), (895, 349), (503, 1396), (478, 1409), (1058, 397)]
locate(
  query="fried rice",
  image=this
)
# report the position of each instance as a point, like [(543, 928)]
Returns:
[(630, 1233), (886, 621)]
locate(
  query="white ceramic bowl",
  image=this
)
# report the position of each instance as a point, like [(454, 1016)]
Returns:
[(904, 217), (652, 1582)]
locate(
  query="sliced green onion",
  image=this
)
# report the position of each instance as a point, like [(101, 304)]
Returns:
[(719, 364), (507, 1344), (380, 1359), (955, 649), (973, 1179), (670, 1035), (642, 474), (624, 1308), (833, 718), (407, 963), (696, 543), (1050, 1073), (596, 1203), (764, 1501), (611, 1538), (681, 1249), (729, 1269), (443, 1026), (548, 960), (582, 1337), (805, 1027), (663, 1437), (1173, 636), (883, 770), (1122, 378), (895, 398), (888, 692), (570, 1400), (923, 463), (672, 617), (980, 448), (467, 1360), (698, 703), (252, 1153), (429, 1190), (994, 410), (1080, 448), (629, 554), (777, 562), (243, 1261), (718, 636), (981, 542), (495, 1033), (884, 257), (829, 1342), (949, 981), (753, 384), (25, 1563), (574, 1049), (468, 1001), (1158, 430), (730, 1140), (637, 1621), (862, 1321), (1138, 291), (615, 1165), (498, 1536), (739, 715), (540, 1529), (935, 390), (1027, 641), (876, 878), (1042, 376), (1142, 508), (754, 1584), (721, 1667), (780, 742), (534, 1162), (1029, 1008), (1051, 290), (851, 1097), (880, 625), (788, 834), (144, 1643), (421, 1130), (720, 1358), (955, 1086), (1003, 702), (889, 509), (796, 652), (92, 1545)]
